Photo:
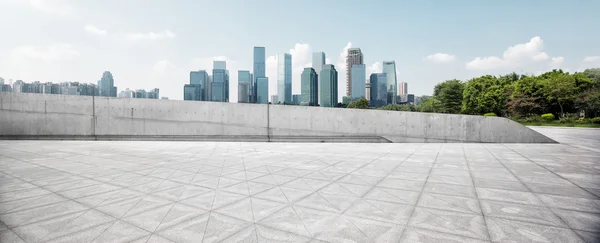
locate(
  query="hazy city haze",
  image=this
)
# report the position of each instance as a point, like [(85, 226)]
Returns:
[(155, 44)]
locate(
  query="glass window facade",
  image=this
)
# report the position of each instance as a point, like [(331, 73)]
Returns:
[(220, 86), (359, 79), (259, 70), (262, 90), (284, 78), (244, 80), (379, 91), (329, 86), (309, 87), (389, 68)]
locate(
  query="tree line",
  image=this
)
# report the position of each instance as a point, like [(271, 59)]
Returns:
[(516, 96)]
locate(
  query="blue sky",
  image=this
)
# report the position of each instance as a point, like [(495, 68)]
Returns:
[(155, 43)]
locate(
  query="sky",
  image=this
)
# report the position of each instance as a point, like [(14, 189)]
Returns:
[(149, 44)]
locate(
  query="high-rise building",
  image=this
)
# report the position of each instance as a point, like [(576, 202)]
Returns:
[(259, 71), (403, 88), (244, 80), (389, 68), (275, 99), (355, 56), (192, 92), (219, 88), (368, 89), (359, 79), (318, 61), (296, 99), (284, 79), (379, 92), (106, 85), (201, 78), (153, 94), (262, 88), (329, 86), (309, 87)]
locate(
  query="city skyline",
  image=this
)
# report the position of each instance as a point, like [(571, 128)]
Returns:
[(150, 48)]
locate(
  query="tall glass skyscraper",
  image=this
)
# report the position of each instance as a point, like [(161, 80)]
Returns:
[(220, 82), (244, 80), (354, 56), (106, 85), (329, 86), (309, 87), (389, 68), (359, 80), (379, 91), (200, 78), (318, 61), (284, 78), (262, 88), (259, 69)]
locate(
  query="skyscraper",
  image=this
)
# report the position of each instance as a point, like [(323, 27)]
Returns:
[(106, 85), (354, 56), (258, 71), (192, 92), (244, 80), (262, 88), (284, 78), (200, 78), (309, 87), (220, 83), (403, 92), (389, 68), (359, 79), (329, 86), (318, 61), (379, 92)]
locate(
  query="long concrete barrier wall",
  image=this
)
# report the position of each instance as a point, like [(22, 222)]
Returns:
[(26, 116)]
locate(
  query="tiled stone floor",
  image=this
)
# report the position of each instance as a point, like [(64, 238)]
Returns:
[(81, 191)]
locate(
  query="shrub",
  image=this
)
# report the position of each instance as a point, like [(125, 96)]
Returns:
[(548, 117), (595, 120), (490, 114), (582, 120), (567, 120)]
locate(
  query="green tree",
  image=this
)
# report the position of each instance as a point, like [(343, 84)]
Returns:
[(396, 107), (361, 103), (431, 105), (450, 94), (486, 94), (589, 101), (560, 88)]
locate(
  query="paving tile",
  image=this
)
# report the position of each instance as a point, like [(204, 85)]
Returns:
[(382, 211), (468, 225), (504, 230), (580, 220), (10, 237), (449, 203), (33, 215), (402, 184), (509, 196), (266, 234), (571, 203), (448, 179), (393, 195), (520, 212), (191, 230), (221, 227), (417, 235), (500, 184), (121, 232)]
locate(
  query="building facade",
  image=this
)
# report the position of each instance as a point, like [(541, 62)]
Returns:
[(354, 56), (106, 85), (192, 92), (284, 79), (219, 88), (244, 80), (378, 88), (329, 86), (309, 87), (389, 68), (262, 88), (359, 80), (258, 71), (201, 78), (318, 61)]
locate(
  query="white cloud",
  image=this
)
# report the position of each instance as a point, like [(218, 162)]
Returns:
[(166, 34), (514, 56), (51, 6), (556, 62), (95, 30), (440, 58), (59, 52), (376, 67), (591, 59)]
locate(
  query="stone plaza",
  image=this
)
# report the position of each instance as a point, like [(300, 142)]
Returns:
[(159, 191)]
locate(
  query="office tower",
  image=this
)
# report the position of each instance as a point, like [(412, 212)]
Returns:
[(275, 100), (262, 90), (219, 88), (106, 85), (284, 79), (368, 89), (410, 98), (309, 87), (359, 79), (403, 91), (389, 68), (296, 99), (259, 69), (244, 80), (153, 93), (201, 78), (354, 56), (379, 92), (318, 61), (329, 86), (192, 92)]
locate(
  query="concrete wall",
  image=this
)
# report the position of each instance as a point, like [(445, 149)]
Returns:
[(38, 116)]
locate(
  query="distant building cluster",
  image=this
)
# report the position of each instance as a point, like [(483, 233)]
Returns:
[(319, 83), (104, 87)]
